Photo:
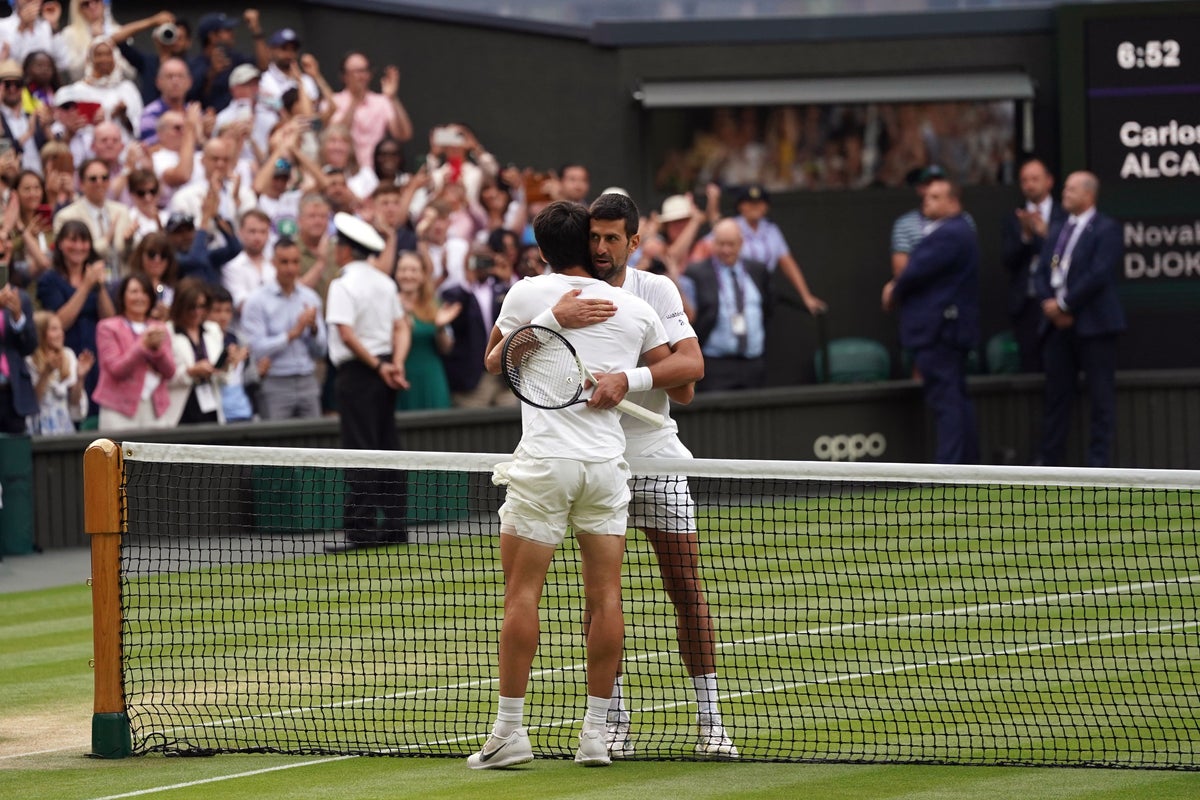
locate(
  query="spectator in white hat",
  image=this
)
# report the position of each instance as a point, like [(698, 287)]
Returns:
[(245, 109)]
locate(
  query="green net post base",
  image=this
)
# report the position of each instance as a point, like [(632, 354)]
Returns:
[(111, 736)]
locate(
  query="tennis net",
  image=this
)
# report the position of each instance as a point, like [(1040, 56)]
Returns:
[(863, 612)]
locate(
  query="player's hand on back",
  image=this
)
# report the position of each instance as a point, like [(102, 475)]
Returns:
[(573, 311)]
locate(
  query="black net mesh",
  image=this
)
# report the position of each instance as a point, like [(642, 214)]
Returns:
[(855, 621)]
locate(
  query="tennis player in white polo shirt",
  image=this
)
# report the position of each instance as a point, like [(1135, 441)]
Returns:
[(569, 468)]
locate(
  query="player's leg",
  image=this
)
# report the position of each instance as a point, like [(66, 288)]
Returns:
[(601, 556), (525, 563), (600, 515), (678, 556), (533, 520)]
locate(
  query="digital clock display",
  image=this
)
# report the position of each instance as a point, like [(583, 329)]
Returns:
[(1124, 52), (1154, 54)]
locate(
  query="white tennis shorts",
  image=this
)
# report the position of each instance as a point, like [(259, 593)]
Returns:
[(662, 502), (545, 494)]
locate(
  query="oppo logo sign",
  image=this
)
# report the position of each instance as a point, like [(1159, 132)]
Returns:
[(849, 447)]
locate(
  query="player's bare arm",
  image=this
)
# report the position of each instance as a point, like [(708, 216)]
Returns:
[(611, 387), (492, 361), (677, 373)]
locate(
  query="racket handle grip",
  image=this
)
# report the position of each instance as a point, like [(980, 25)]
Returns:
[(642, 413)]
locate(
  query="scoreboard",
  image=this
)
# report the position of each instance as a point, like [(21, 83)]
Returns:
[(1129, 82)]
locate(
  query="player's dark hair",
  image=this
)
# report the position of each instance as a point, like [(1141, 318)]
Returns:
[(616, 206), (561, 230)]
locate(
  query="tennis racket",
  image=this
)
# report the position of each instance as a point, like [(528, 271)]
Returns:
[(544, 370)]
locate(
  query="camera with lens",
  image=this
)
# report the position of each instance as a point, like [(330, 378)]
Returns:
[(166, 34)]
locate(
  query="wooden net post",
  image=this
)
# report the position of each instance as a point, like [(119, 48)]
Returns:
[(102, 521)]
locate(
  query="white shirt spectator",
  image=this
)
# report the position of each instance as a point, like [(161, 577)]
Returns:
[(366, 300), (241, 276), (40, 37)]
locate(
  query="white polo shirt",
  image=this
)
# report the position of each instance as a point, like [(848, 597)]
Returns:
[(661, 293), (366, 300), (579, 432)]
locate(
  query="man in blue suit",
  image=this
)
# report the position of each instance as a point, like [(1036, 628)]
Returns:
[(937, 293), (1077, 284), (18, 338), (1022, 238)]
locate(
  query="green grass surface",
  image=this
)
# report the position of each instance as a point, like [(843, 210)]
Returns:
[(890, 627)]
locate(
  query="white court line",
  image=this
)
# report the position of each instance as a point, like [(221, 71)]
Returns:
[(1126, 588), (665, 706), (251, 773), (80, 746)]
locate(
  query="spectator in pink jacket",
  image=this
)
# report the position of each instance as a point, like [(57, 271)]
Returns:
[(134, 353)]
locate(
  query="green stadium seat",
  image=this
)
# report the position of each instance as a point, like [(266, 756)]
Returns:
[(1003, 357), (854, 360)]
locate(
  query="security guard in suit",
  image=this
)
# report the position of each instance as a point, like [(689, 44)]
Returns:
[(937, 294), (1077, 284)]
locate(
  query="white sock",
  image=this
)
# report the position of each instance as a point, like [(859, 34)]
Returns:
[(616, 704), (706, 698), (597, 714), (509, 717)]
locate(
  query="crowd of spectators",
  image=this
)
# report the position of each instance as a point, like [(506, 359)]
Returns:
[(169, 211)]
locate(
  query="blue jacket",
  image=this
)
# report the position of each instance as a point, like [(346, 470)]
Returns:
[(16, 345), (1017, 254), (1091, 278), (200, 262), (938, 291)]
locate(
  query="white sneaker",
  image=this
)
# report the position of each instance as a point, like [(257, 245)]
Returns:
[(593, 750), (715, 743), (620, 743), (503, 751)]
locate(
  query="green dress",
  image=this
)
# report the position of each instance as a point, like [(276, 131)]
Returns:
[(427, 386)]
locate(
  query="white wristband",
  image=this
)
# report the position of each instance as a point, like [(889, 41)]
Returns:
[(640, 379), (547, 320)]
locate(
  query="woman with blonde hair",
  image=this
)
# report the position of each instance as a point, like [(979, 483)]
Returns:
[(57, 379), (90, 19), (431, 335)]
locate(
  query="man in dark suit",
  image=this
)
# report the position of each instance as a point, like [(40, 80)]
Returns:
[(490, 275), (1022, 237), (937, 293), (732, 301), (18, 338), (1077, 286)]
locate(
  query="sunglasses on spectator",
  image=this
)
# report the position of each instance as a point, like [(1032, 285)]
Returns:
[(10, 83), (153, 190), (155, 254), (97, 178)]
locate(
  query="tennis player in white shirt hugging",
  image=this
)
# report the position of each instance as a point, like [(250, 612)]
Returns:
[(569, 468), (661, 506)]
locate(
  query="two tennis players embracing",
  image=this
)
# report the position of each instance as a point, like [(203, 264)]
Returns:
[(570, 468)]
